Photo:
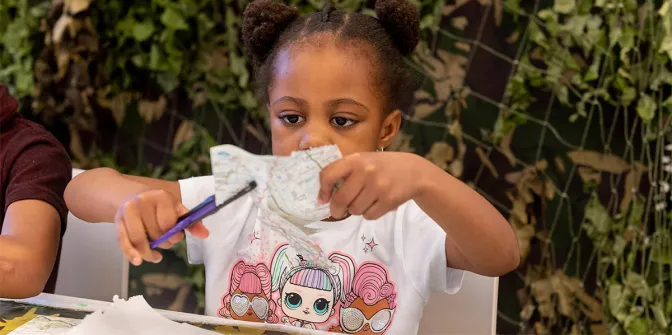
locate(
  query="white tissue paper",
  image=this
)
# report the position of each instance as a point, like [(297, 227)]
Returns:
[(286, 185), (132, 317), (287, 190)]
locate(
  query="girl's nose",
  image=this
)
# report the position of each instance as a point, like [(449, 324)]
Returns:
[(314, 136)]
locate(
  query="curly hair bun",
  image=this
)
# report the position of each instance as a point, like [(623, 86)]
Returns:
[(263, 22), (402, 22)]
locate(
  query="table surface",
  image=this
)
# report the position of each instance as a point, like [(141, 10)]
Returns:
[(15, 313)]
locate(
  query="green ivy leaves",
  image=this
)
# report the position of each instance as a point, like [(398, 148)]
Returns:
[(564, 6), (665, 13), (172, 19), (646, 107), (19, 23), (608, 34), (610, 55)]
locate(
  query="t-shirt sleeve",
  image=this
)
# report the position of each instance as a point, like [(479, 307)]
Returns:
[(194, 191), (424, 253), (40, 170)]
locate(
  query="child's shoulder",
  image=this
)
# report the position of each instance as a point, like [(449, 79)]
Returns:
[(22, 132)]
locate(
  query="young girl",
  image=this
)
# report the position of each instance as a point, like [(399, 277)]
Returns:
[(326, 78)]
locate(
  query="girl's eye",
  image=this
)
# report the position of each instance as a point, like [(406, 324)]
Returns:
[(293, 300), (340, 121), (291, 118), (321, 306)]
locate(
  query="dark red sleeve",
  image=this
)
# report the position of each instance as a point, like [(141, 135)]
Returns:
[(40, 169)]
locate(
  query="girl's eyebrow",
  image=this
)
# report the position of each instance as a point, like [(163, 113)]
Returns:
[(347, 101), (287, 98)]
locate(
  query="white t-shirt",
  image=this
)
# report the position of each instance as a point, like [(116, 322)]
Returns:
[(382, 275)]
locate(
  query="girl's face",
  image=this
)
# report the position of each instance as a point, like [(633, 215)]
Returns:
[(249, 307), (307, 304), (324, 95)]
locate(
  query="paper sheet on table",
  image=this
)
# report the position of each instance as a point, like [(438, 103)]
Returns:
[(46, 325), (134, 317), (287, 189)]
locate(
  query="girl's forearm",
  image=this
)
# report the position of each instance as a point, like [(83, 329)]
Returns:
[(95, 195), (479, 239)]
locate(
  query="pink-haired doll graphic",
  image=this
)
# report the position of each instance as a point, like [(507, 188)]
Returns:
[(369, 307), (309, 293), (249, 297)]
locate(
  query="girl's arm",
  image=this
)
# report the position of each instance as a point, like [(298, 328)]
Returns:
[(478, 238), (138, 206), (96, 195)]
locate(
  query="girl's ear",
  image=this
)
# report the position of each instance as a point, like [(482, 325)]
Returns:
[(390, 128)]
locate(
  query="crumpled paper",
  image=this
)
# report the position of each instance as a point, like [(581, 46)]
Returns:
[(286, 192), (132, 317)]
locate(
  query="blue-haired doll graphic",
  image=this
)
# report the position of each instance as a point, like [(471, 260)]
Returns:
[(308, 293)]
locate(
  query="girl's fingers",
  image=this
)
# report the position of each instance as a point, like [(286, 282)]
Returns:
[(363, 202), (198, 230), (346, 194), (331, 175), (167, 214), (137, 233), (147, 211), (166, 245), (375, 211), (124, 242)]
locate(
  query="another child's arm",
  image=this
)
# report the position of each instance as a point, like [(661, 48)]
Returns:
[(139, 207), (38, 169), (28, 248), (478, 238)]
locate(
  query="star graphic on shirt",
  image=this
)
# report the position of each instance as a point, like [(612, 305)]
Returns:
[(363, 238), (366, 249), (372, 244)]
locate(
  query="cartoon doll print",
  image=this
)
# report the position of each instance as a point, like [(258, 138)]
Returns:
[(249, 296), (369, 306), (308, 293)]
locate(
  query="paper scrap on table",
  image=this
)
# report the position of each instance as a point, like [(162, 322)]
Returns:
[(287, 189), (132, 316), (46, 325)]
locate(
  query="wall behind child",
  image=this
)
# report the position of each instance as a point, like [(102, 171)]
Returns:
[(557, 111)]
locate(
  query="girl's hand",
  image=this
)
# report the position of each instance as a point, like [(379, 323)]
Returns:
[(151, 213), (374, 183)]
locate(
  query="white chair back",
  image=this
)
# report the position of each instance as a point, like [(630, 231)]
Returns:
[(472, 310), (92, 265)]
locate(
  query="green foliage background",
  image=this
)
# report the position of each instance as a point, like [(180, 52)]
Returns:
[(557, 111)]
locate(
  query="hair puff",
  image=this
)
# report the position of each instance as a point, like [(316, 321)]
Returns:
[(263, 22)]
